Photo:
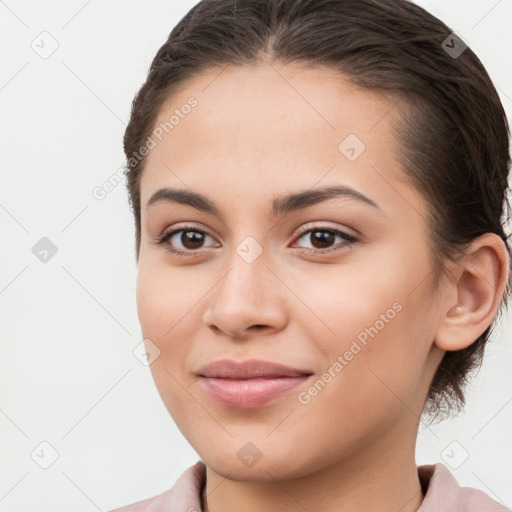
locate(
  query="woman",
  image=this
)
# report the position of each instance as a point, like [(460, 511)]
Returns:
[(317, 188)]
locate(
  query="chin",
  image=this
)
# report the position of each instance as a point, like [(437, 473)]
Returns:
[(235, 463)]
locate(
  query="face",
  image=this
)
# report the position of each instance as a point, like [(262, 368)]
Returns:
[(339, 286)]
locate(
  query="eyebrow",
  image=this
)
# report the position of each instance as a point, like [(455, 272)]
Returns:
[(280, 205)]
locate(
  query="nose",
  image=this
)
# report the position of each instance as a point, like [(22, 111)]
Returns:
[(248, 298)]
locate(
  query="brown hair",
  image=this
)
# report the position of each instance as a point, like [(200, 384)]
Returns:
[(453, 136)]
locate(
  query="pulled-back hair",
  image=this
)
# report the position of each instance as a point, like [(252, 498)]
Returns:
[(453, 134)]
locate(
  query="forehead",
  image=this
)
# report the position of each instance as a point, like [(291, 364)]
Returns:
[(257, 101), (270, 127)]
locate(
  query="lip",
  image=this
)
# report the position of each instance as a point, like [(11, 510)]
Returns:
[(248, 384), (248, 369)]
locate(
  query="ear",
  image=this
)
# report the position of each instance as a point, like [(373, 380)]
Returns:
[(471, 300)]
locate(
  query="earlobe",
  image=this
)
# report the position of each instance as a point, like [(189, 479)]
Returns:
[(482, 277)]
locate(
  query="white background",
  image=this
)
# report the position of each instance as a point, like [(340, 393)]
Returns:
[(68, 327)]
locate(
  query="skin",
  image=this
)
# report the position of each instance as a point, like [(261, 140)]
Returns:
[(257, 133)]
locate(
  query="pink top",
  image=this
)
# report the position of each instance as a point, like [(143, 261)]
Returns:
[(443, 494)]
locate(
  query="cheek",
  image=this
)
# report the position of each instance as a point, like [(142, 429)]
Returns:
[(168, 310), (369, 380), (165, 300), (166, 314), (372, 331)]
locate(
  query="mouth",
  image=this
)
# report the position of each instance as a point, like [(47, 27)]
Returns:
[(249, 384)]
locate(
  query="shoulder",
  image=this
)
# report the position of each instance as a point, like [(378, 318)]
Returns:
[(184, 496), (443, 493)]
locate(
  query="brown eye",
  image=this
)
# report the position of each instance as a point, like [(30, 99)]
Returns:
[(322, 239), (184, 241), (191, 239)]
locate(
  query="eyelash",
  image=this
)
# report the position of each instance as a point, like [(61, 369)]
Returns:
[(350, 240)]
